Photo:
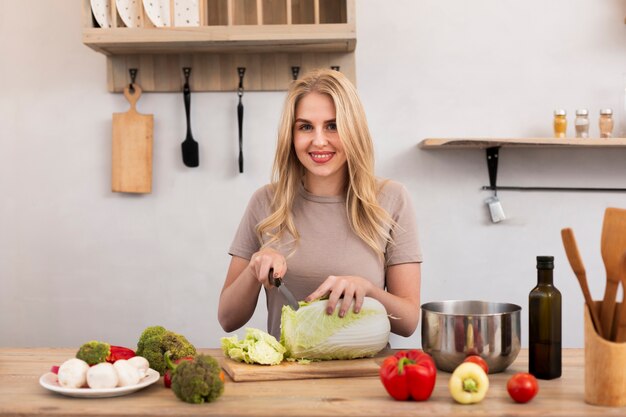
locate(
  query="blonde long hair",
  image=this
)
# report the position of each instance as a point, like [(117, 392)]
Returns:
[(368, 220)]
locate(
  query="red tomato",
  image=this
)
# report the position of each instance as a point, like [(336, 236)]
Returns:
[(478, 361), (522, 387)]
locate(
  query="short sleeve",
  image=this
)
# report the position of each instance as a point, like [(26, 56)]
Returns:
[(246, 242), (404, 247)]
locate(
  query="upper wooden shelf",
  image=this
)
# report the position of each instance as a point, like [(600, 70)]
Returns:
[(272, 39), (223, 39), (483, 143)]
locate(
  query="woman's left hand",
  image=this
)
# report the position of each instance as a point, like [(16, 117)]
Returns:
[(351, 288)]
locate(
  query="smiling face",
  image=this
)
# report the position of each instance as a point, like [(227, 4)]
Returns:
[(318, 146)]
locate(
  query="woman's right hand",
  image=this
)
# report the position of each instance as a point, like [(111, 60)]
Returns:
[(262, 261)]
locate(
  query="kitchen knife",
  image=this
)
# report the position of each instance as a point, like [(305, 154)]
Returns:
[(278, 283)]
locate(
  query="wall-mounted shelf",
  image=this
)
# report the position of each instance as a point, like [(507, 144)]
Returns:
[(268, 37), (483, 143), (493, 145)]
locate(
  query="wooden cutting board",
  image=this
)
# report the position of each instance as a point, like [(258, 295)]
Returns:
[(132, 148), (241, 372)]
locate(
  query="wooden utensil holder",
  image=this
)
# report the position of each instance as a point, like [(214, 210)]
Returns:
[(605, 365)]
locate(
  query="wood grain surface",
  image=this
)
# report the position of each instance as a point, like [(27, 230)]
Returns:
[(21, 395), (240, 372), (131, 161), (481, 143), (605, 364)]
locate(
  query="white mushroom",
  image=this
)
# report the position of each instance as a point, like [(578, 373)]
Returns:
[(141, 364), (127, 374), (102, 375), (73, 373)]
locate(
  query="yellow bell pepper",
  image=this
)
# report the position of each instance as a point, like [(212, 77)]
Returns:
[(468, 384)]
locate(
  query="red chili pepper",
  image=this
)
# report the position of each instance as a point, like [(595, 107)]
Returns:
[(167, 378), (409, 374), (119, 352)]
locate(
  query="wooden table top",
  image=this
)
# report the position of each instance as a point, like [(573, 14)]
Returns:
[(21, 394)]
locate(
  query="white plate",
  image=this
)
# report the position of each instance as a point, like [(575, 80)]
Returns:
[(102, 12), (50, 381), (158, 12), (186, 13), (129, 11)]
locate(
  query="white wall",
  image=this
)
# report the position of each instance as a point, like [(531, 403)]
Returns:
[(78, 262)]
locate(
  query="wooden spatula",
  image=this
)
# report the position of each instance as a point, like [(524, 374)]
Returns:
[(620, 325), (576, 262), (131, 170), (613, 246)]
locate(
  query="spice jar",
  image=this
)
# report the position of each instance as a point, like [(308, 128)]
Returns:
[(560, 123), (606, 123), (582, 123)]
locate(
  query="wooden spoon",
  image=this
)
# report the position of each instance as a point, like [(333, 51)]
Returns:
[(620, 325), (576, 262), (613, 246)]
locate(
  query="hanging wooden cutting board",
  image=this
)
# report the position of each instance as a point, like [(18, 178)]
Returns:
[(132, 148), (241, 372)]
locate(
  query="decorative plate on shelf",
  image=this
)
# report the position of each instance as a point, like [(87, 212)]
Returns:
[(130, 12), (158, 12), (102, 12), (186, 13), (50, 381)]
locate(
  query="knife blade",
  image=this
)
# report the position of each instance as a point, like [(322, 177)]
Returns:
[(282, 288)]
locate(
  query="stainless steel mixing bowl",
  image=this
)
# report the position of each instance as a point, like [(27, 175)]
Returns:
[(453, 330)]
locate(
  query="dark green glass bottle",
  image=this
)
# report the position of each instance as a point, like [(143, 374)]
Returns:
[(544, 323)]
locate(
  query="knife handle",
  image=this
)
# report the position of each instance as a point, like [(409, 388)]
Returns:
[(273, 281)]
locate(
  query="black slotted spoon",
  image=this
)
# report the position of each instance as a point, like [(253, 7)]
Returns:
[(189, 146)]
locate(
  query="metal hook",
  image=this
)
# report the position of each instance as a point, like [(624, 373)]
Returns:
[(335, 67), (242, 72), (294, 72), (133, 76), (187, 73)]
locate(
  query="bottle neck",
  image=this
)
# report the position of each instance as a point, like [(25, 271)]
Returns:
[(544, 276)]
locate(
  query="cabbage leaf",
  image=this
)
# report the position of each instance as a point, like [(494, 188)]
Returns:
[(310, 333), (256, 347)]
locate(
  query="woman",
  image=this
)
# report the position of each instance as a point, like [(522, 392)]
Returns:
[(325, 224)]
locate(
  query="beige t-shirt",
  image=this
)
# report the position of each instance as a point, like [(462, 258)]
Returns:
[(327, 244)]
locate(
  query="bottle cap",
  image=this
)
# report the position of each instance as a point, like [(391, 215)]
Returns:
[(582, 112), (545, 262), (560, 112), (606, 111)]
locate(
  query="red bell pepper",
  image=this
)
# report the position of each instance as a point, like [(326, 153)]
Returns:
[(409, 375), (119, 352), (167, 378)]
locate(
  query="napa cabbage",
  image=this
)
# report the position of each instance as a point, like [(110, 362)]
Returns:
[(310, 333), (256, 347)]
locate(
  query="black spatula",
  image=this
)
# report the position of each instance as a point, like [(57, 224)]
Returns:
[(241, 71), (189, 145)]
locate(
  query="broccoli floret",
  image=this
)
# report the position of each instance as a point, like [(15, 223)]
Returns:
[(156, 340), (94, 352), (148, 333), (198, 381)]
